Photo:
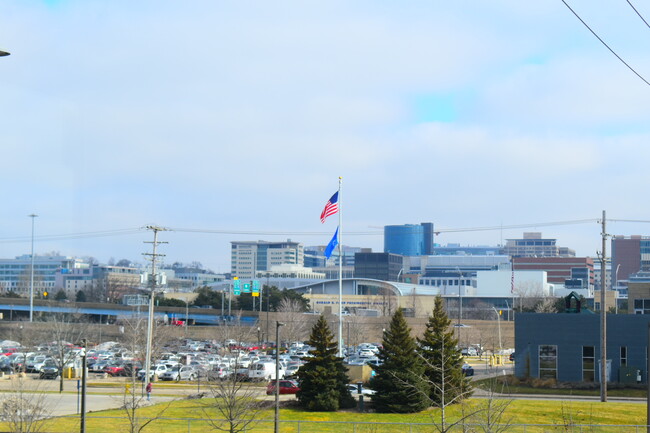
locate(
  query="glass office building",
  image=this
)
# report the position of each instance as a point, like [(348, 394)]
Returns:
[(409, 239)]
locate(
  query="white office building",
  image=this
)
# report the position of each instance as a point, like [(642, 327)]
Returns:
[(249, 257)]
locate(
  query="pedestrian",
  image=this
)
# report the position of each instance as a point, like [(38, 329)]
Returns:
[(148, 389)]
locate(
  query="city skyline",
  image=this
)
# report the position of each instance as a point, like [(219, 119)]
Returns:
[(235, 120)]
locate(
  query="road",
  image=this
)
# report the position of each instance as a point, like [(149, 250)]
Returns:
[(101, 393)]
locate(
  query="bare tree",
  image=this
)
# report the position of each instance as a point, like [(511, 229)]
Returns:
[(24, 411), (235, 401), (491, 416), (236, 404), (65, 330), (296, 327), (134, 397), (530, 295), (546, 305)]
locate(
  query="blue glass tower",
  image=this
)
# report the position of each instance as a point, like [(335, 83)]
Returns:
[(409, 239)]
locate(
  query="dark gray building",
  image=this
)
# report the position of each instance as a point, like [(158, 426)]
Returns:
[(566, 346), (378, 266)]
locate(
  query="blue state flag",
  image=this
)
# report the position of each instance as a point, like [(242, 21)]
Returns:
[(333, 243)]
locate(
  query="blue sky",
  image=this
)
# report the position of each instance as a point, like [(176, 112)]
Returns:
[(239, 116)]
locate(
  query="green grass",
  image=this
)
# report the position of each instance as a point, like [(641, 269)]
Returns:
[(522, 388), (549, 413)]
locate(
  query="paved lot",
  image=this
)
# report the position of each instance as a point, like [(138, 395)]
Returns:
[(102, 393)]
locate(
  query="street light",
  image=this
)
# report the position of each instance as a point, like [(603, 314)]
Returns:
[(616, 293), (31, 277), (3, 53), (499, 326)]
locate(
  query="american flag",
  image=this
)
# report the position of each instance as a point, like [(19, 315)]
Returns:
[(331, 207)]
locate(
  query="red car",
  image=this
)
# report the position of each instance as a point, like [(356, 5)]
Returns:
[(114, 370), (286, 387)]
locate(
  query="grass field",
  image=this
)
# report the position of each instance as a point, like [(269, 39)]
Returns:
[(523, 388), (555, 416)]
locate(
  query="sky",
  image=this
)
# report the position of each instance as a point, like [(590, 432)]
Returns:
[(233, 120)]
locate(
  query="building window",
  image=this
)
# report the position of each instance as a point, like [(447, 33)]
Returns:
[(642, 306), (547, 362), (588, 364), (623, 355)]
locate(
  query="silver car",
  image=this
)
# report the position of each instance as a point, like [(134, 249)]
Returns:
[(179, 372)]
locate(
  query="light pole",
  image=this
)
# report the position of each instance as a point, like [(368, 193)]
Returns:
[(277, 377), (616, 294), (84, 367), (499, 326), (187, 315), (31, 274)]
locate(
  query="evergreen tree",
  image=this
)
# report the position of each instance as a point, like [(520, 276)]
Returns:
[(443, 361), (60, 295), (81, 296), (398, 381), (323, 378)]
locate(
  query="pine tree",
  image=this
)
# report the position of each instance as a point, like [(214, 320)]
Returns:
[(398, 381), (438, 348), (323, 378)]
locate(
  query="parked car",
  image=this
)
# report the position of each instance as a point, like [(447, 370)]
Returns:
[(49, 372), (286, 387), (469, 351), (114, 369), (468, 370), (263, 370), (354, 390), (156, 370), (179, 372)]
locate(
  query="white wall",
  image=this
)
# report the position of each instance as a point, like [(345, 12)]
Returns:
[(498, 283)]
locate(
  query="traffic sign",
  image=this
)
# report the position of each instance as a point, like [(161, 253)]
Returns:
[(236, 288)]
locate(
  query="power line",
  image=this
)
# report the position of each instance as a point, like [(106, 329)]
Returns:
[(517, 226), (638, 13), (81, 235), (603, 42), (378, 232)]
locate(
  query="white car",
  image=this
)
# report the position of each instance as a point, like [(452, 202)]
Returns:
[(155, 370), (354, 390)]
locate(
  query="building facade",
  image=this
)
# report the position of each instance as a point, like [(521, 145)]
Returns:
[(315, 256), (15, 274), (630, 254), (534, 245), (378, 266), (468, 250), (560, 269), (566, 347), (248, 257), (101, 283), (409, 239)]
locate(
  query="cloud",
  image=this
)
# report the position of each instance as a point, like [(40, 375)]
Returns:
[(244, 114)]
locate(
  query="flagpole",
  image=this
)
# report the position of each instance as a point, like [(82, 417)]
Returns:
[(340, 271)]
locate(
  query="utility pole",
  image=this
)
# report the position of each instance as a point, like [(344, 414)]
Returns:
[(31, 274), (153, 256), (603, 313)]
